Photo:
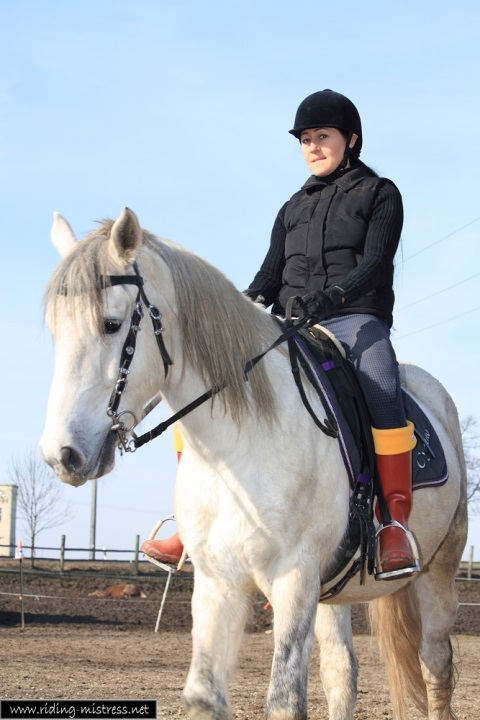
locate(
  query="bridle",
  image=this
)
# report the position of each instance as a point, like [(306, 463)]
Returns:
[(119, 426), (127, 438)]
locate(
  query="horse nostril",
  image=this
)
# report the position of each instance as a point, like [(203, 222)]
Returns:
[(71, 460)]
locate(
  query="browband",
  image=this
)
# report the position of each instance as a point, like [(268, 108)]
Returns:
[(109, 280)]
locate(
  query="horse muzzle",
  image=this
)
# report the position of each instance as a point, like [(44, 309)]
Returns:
[(72, 467)]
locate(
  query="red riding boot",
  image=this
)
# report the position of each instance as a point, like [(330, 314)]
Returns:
[(167, 551), (397, 550)]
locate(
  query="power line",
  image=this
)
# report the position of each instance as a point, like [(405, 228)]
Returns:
[(439, 292), (445, 237), (442, 322)]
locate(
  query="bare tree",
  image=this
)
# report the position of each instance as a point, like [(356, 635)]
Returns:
[(39, 501), (471, 444)]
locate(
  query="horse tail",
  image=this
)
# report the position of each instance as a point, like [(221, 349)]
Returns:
[(396, 624)]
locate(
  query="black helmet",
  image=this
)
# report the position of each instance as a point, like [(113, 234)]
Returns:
[(327, 108)]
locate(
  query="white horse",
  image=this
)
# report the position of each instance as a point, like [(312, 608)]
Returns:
[(261, 496)]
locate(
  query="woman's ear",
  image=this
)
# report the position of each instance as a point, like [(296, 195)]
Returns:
[(353, 140)]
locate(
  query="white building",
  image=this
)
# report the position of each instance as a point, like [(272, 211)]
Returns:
[(8, 514)]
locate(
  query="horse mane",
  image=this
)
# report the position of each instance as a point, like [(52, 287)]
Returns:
[(220, 328)]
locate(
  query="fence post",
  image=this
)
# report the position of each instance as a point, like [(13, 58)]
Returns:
[(62, 552), (137, 550), (22, 598), (470, 564)]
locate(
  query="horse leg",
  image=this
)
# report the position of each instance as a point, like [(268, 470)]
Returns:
[(419, 661), (219, 615), (437, 601), (294, 598), (438, 606), (338, 661)]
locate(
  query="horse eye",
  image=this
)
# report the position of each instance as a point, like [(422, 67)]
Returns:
[(112, 326)]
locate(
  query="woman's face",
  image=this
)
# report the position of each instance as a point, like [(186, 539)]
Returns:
[(323, 149)]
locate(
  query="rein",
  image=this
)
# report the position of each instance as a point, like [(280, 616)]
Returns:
[(128, 440)]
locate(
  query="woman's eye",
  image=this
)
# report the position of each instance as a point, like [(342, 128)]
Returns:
[(112, 326)]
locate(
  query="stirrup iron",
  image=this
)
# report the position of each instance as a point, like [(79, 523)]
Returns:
[(407, 571)]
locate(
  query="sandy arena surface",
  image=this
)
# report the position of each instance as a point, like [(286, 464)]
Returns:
[(78, 647)]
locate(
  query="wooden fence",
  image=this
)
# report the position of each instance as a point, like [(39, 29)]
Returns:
[(468, 568)]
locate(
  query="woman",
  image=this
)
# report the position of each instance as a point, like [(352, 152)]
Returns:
[(333, 243)]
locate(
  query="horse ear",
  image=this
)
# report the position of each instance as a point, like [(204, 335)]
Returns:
[(62, 235), (126, 237)]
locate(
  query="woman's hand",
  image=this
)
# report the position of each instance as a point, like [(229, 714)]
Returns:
[(320, 305)]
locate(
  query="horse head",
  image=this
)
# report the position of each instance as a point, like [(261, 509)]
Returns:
[(94, 305), (89, 303)]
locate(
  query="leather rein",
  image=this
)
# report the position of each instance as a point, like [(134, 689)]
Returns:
[(125, 422)]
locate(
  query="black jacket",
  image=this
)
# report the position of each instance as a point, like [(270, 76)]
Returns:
[(342, 230)]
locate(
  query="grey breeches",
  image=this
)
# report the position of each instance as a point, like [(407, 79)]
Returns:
[(366, 340)]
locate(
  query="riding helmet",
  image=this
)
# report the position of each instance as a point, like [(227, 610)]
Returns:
[(327, 108)]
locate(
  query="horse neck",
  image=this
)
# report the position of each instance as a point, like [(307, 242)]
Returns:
[(213, 331)]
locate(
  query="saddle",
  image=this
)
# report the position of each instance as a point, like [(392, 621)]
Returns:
[(334, 378)]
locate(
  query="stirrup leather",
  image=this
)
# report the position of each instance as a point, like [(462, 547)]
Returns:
[(400, 572)]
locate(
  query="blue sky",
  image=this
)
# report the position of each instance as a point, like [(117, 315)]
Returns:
[(181, 111)]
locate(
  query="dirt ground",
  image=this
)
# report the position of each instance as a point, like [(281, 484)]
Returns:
[(74, 646)]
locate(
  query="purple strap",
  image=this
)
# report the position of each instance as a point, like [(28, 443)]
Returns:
[(363, 478), (329, 365)]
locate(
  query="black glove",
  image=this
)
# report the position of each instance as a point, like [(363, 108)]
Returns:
[(317, 304), (320, 305)]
